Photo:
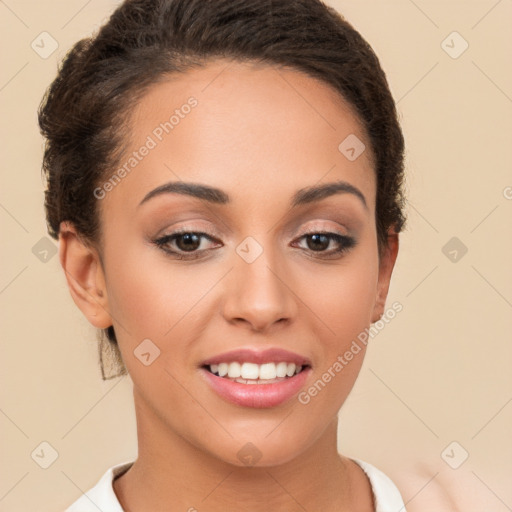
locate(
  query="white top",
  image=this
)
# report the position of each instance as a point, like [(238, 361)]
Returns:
[(102, 496)]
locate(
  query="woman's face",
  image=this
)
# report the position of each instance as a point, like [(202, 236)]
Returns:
[(262, 137)]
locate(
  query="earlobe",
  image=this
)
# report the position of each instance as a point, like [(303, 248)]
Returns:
[(84, 275), (386, 265)]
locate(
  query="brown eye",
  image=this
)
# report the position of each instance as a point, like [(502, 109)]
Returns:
[(319, 242), (184, 244), (188, 241)]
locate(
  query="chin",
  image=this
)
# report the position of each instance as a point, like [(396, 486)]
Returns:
[(261, 452)]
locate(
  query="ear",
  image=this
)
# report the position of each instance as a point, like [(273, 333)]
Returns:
[(386, 264), (85, 277)]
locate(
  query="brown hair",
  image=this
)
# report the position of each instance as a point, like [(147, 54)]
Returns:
[(84, 114)]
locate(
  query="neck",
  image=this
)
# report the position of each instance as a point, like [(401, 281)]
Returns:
[(171, 473)]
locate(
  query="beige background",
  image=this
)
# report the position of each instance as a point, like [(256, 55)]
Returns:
[(439, 372)]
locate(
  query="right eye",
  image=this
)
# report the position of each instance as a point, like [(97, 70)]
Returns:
[(186, 243)]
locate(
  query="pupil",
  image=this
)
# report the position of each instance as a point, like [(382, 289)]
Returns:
[(189, 237), (317, 244)]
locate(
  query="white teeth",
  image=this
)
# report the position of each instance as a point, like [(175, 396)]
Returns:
[(234, 370), (268, 371), (249, 373), (223, 369), (281, 369)]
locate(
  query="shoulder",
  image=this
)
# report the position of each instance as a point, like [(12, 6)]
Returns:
[(386, 495), (101, 496)]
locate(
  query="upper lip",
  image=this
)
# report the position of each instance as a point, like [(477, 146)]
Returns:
[(258, 356)]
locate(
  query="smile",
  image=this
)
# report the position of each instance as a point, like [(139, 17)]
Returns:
[(252, 373), (258, 379)]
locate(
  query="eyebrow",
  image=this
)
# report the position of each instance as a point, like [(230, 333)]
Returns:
[(214, 195)]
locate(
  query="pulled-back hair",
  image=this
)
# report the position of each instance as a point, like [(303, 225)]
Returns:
[(84, 114)]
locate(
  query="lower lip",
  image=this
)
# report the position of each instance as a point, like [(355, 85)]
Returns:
[(257, 395)]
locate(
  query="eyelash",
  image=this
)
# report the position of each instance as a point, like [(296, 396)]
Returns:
[(346, 243)]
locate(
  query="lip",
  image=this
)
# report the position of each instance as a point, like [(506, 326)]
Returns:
[(247, 355), (256, 395)]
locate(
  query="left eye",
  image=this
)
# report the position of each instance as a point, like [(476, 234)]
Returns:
[(318, 242)]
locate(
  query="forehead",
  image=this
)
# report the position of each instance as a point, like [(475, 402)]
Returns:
[(246, 128)]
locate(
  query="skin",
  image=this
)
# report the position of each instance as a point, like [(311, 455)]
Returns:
[(259, 133)]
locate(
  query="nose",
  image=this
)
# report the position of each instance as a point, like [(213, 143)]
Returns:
[(259, 294)]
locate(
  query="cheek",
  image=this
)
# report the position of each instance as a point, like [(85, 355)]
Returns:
[(153, 296), (353, 297), (343, 298), (344, 304)]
